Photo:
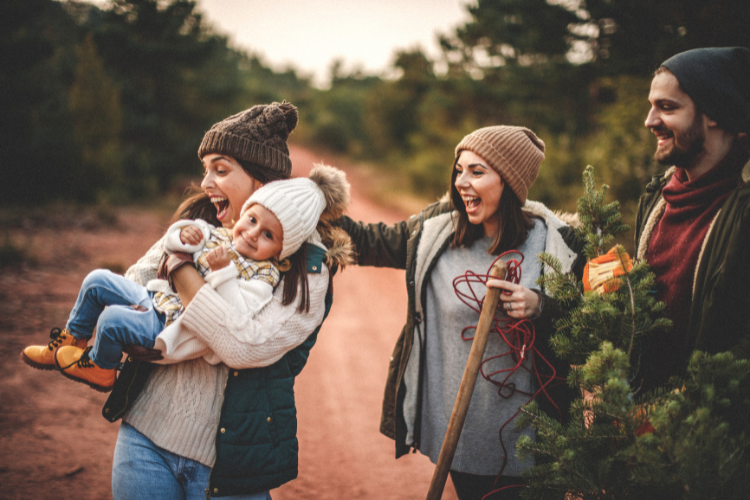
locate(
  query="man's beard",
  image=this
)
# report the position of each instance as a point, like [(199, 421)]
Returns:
[(686, 145)]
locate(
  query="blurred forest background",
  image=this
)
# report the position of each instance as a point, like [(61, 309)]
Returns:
[(109, 105)]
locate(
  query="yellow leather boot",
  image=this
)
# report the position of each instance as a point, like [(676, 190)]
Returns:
[(42, 356), (74, 363)]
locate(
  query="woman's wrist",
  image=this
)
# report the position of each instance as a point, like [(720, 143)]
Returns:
[(172, 263), (186, 282), (538, 313)]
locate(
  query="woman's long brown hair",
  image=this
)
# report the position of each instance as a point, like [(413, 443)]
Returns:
[(197, 205)]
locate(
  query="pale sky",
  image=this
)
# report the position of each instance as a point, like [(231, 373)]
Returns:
[(310, 34)]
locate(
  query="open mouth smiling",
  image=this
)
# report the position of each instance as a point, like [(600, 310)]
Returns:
[(471, 202), (662, 136), (222, 206)]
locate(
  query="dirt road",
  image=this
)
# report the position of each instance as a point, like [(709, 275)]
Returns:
[(56, 445)]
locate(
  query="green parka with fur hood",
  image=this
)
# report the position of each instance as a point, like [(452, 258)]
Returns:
[(415, 245)]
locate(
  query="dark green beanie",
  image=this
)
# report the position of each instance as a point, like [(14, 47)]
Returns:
[(257, 135), (718, 81)]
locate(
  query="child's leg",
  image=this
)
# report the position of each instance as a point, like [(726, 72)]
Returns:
[(100, 289), (119, 326)]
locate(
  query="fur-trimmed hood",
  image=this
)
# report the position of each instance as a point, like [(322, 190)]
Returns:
[(340, 251), (335, 188), (337, 191)]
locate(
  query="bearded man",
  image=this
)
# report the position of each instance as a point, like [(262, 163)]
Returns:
[(693, 222)]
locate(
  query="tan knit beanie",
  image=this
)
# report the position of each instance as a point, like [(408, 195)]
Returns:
[(257, 135), (301, 202), (513, 152)]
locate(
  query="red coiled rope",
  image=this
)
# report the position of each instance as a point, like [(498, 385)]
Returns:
[(519, 335)]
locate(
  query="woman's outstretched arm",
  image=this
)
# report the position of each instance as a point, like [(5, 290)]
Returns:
[(378, 244), (383, 245)]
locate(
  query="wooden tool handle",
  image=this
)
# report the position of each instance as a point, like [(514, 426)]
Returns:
[(466, 389)]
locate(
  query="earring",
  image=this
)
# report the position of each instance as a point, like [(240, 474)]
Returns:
[(284, 265)]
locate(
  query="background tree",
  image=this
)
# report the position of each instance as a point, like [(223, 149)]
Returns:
[(97, 122), (577, 72), (89, 93), (158, 53), (37, 61)]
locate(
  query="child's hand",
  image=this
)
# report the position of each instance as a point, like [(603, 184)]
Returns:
[(191, 235), (218, 258)]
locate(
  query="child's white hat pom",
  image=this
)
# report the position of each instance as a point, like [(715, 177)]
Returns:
[(300, 203)]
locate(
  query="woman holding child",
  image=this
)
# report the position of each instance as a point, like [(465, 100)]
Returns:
[(487, 214), (225, 428)]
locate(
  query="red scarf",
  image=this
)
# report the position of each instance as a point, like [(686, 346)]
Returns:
[(675, 245)]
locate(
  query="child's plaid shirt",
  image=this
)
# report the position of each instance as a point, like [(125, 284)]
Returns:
[(170, 304)]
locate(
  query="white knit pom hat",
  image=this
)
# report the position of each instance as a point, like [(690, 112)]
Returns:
[(301, 202)]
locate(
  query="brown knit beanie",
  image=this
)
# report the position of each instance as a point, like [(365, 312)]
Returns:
[(513, 152), (257, 135)]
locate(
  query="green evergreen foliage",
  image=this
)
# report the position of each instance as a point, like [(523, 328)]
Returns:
[(620, 317), (336, 118), (97, 121), (635, 36), (620, 141), (689, 440), (158, 53), (393, 106), (702, 433), (37, 62), (112, 102), (577, 73), (588, 457), (600, 223)]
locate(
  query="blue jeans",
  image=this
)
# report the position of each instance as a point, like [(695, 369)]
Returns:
[(104, 302), (143, 471)]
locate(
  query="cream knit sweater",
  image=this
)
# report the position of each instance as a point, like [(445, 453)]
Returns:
[(180, 405)]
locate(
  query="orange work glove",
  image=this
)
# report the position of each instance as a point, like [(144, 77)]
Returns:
[(598, 273)]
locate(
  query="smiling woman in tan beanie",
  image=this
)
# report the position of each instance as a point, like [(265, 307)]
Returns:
[(488, 213)]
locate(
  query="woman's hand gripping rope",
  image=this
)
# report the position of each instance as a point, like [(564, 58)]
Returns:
[(518, 301)]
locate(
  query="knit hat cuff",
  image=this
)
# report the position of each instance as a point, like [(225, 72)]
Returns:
[(237, 147), (509, 174), (716, 79)]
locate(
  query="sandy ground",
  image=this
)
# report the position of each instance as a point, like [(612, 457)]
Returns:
[(55, 444)]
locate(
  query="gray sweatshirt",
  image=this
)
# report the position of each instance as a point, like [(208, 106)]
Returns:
[(479, 450)]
